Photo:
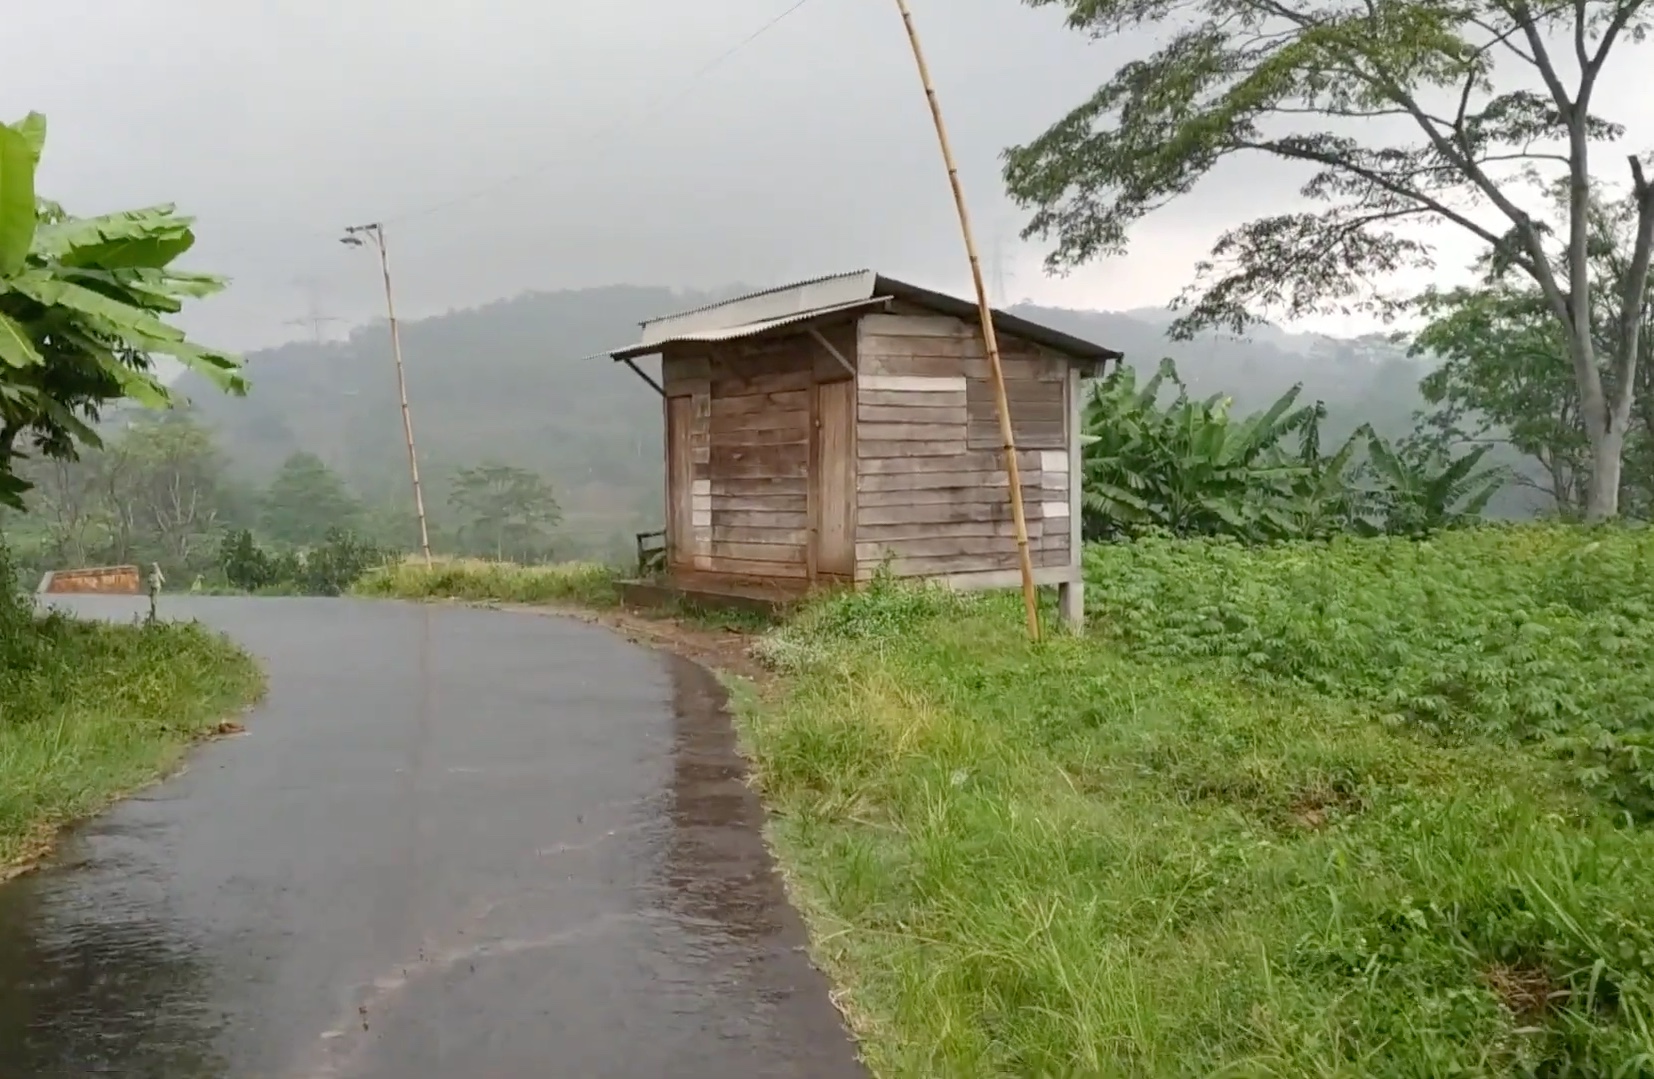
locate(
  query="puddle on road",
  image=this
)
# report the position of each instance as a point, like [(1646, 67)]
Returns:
[(104, 971), (100, 985)]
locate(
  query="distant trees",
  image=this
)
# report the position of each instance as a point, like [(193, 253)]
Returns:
[(161, 489), (156, 491), (305, 501), (504, 510)]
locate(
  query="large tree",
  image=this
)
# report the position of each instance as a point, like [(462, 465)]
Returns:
[(1403, 113), (82, 302), (505, 509), (307, 500), (1504, 372)]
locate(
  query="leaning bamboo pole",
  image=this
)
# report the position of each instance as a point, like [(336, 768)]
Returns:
[(990, 338)]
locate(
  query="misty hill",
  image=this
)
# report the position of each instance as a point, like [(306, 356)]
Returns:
[(513, 380)]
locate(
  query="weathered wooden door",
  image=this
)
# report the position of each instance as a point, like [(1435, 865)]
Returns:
[(680, 482), (833, 479)]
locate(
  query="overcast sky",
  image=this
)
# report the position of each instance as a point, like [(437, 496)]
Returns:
[(517, 145)]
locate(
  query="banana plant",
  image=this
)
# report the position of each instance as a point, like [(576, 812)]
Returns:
[(1191, 467), (82, 302), (1420, 492)]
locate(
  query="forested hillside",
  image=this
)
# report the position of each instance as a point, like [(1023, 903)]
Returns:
[(514, 381)]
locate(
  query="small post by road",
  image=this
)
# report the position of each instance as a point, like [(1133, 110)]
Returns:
[(375, 234), (156, 580)]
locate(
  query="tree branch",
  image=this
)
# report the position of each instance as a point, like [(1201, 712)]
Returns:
[(1542, 58), (1633, 292), (1380, 180), (1615, 26)]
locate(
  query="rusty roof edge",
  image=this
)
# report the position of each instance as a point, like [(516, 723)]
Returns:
[(1016, 325), (748, 330), (745, 296), (844, 289)]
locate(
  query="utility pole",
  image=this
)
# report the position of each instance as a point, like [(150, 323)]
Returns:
[(375, 234), (990, 338)]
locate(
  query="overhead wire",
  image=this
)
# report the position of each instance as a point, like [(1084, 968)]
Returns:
[(662, 105)]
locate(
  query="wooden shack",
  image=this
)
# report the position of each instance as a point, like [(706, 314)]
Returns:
[(818, 432)]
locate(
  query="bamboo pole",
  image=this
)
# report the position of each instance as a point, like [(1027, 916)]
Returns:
[(376, 233), (990, 338)]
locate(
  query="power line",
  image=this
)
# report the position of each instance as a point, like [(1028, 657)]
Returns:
[(664, 104), (314, 318), (315, 322)]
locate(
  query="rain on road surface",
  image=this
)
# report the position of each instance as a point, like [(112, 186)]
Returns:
[(452, 843)]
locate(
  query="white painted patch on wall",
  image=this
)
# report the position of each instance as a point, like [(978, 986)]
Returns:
[(913, 383)]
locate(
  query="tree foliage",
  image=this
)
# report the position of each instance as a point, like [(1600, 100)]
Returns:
[(1421, 490), (1504, 372), (504, 510), (1393, 109), (155, 490), (82, 306), (305, 501), (327, 569), (1503, 375)]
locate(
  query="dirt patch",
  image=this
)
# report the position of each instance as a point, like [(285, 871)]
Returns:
[(1313, 808), (1528, 992), (719, 648)]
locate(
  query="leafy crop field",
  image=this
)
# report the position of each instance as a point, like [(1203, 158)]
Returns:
[(1358, 809), (1541, 635)]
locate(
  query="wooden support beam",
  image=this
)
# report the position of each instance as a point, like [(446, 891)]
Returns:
[(640, 373), (821, 339)]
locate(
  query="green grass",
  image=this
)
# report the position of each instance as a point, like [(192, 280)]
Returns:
[(582, 584), (91, 711), (1116, 856), (588, 585)]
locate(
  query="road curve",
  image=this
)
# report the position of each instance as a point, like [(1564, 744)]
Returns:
[(452, 843)]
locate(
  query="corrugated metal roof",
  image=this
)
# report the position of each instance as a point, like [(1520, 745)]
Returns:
[(761, 312), (654, 343), (749, 297)]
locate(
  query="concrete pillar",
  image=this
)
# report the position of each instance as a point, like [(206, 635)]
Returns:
[(1071, 598)]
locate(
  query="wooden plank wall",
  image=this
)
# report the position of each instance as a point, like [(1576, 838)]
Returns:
[(756, 438), (686, 379), (933, 493)]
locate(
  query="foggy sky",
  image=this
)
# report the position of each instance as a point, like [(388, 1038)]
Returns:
[(277, 122)]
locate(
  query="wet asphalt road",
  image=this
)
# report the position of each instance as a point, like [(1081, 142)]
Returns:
[(452, 843)]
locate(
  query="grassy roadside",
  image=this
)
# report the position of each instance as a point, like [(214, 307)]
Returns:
[(1354, 809), (588, 588), (578, 584), (90, 711), (1133, 855)]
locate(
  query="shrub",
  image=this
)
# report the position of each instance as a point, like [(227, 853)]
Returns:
[(327, 570)]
